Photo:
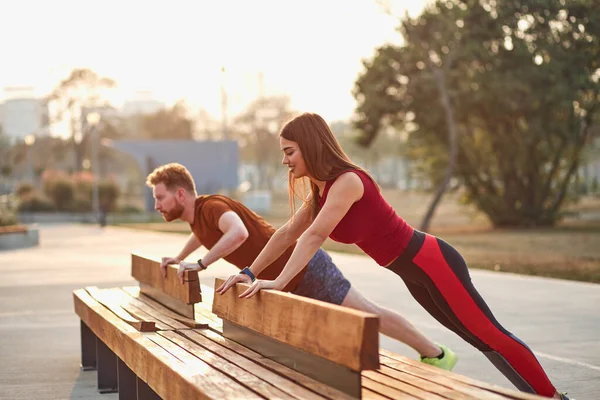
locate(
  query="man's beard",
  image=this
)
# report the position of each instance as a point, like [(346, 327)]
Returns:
[(174, 214)]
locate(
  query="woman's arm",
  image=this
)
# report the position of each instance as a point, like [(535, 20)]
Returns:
[(283, 238), (344, 192), (277, 244)]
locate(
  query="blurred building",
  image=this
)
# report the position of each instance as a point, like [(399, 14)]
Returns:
[(22, 114)]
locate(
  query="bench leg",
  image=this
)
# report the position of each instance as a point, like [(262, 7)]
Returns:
[(107, 368), (127, 381), (88, 348), (145, 392)]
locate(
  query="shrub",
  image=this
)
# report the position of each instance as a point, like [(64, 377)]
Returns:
[(108, 193), (35, 203), (7, 217), (24, 190)]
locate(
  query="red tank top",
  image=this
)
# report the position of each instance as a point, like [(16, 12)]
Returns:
[(372, 224)]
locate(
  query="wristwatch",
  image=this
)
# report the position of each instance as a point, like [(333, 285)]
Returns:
[(246, 271), (202, 266)]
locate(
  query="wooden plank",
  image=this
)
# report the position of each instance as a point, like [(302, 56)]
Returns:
[(399, 371), (283, 383), (129, 302), (252, 377), (267, 363), (147, 270), (145, 303), (168, 376), (394, 393), (136, 312), (112, 303), (205, 314), (391, 359), (413, 386), (345, 336), (367, 394)]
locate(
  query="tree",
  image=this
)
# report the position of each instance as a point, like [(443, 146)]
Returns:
[(82, 89), (257, 128), (4, 150), (167, 124), (522, 86)]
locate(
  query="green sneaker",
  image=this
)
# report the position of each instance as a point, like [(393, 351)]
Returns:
[(447, 362)]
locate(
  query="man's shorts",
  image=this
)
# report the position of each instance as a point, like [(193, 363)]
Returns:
[(323, 280)]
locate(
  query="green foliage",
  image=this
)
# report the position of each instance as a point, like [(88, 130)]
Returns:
[(24, 190), (7, 217), (523, 80), (61, 191), (36, 203)]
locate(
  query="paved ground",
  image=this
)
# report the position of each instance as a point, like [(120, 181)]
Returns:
[(39, 331)]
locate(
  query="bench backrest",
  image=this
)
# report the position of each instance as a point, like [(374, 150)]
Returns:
[(339, 334), (147, 270)]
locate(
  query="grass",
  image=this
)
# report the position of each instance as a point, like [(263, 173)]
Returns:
[(569, 251)]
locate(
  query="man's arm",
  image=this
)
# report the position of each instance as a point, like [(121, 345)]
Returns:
[(234, 235), (191, 245)]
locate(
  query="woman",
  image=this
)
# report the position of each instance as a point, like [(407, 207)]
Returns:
[(345, 204)]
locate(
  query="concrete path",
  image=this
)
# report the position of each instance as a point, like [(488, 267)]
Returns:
[(39, 331)]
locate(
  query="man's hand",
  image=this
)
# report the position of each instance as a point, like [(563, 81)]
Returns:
[(167, 261), (232, 280), (186, 265), (259, 285)]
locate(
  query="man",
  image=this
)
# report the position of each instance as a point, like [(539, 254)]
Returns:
[(231, 231)]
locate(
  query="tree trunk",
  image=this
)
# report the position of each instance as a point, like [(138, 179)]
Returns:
[(440, 80)]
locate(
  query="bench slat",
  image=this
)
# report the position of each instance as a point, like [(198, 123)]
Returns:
[(168, 376), (411, 387), (395, 393), (205, 313), (147, 270), (289, 387), (112, 303), (401, 370), (288, 373), (390, 359), (339, 334), (170, 317), (371, 395), (251, 377)]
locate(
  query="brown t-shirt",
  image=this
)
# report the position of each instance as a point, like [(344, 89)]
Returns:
[(210, 208)]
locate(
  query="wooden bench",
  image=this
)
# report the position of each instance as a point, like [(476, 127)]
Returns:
[(275, 345)]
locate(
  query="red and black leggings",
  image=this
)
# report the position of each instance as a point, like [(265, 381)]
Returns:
[(438, 278)]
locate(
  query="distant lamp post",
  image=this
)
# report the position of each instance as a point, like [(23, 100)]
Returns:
[(29, 141), (93, 119)]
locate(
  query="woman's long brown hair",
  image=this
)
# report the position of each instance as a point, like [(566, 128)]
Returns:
[(324, 157)]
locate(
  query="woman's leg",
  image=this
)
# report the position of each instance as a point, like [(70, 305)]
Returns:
[(324, 281), (455, 302), (393, 324)]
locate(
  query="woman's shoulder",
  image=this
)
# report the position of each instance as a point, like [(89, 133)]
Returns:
[(348, 184)]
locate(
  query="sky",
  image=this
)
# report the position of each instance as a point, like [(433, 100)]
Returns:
[(310, 50)]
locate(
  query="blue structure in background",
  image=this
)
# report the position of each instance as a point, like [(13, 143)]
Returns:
[(214, 165)]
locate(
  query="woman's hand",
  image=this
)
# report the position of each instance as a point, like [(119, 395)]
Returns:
[(186, 266), (258, 285), (232, 280)]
